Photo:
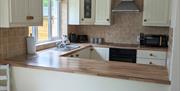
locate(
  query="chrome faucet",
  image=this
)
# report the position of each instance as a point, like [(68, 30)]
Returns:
[(63, 42), (60, 44)]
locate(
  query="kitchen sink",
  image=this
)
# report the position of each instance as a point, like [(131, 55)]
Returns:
[(68, 47)]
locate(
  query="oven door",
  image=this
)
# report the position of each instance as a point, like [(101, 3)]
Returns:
[(123, 55)]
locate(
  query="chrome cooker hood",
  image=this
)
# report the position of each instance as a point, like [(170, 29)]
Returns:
[(126, 6)]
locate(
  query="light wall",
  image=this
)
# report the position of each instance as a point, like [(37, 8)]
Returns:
[(175, 65), (27, 79)]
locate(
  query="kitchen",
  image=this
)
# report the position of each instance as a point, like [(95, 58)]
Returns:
[(122, 36)]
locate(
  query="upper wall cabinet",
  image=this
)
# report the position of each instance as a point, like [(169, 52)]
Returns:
[(89, 12), (156, 13), (19, 13), (103, 12)]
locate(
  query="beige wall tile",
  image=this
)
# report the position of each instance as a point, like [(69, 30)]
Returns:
[(124, 29), (12, 42)]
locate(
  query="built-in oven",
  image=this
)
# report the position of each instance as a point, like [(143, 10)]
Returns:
[(123, 55)]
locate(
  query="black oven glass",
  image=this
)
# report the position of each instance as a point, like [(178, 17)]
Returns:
[(123, 55)]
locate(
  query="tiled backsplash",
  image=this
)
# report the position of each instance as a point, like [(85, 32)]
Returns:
[(12, 42), (124, 29)]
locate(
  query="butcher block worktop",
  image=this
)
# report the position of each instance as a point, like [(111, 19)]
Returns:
[(114, 45), (50, 60), (130, 46)]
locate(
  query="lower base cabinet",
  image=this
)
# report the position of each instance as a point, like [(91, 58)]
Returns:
[(152, 57), (85, 53), (151, 61), (143, 56), (98, 53), (95, 53)]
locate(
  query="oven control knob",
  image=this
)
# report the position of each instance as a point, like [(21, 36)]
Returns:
[(151, 54)]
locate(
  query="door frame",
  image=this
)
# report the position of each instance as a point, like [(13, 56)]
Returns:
[(175, 65)]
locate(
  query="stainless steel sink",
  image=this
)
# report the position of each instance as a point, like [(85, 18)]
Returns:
[(68, 47)]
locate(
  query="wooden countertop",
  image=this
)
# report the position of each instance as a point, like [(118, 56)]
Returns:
[(129, 46), (49, 60), (113, 45)]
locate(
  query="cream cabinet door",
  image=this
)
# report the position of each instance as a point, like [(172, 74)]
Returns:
[(87, 12), (161, 55), (103, 12), (98, 53), (74, 12), (156, 13), (35, 11), (151, 61), (19, 11), (152, 57), (85, 53)]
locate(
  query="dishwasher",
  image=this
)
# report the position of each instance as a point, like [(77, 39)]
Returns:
[(123, 55)]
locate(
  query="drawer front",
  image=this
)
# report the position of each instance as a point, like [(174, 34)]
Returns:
[(152, 54), (151, 62)]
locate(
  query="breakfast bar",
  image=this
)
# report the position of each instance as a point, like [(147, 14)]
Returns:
[(53, 60)]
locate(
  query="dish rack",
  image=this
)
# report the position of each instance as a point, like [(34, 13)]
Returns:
[(4, 78)]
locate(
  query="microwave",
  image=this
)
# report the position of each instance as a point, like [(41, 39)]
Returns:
[(153, 40)]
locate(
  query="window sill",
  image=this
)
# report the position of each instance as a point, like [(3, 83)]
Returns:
[(45, 45)]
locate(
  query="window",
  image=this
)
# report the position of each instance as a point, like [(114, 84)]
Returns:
[(50, 30)]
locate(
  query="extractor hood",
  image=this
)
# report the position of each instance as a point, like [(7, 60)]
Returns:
[(126, 6)]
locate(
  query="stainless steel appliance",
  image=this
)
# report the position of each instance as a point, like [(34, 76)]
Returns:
[(153, 40), (73, 38), (82, 38)]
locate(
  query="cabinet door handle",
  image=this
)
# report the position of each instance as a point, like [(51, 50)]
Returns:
[(71, 56), (82, 19), (108, 19), (145, 20), (29, 17), (150, 63), (77, 55), (151, 54), (91, 49)]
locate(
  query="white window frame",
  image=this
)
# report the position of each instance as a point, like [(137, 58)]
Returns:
[(50, 38)]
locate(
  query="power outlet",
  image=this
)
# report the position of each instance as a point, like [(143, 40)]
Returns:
[(138, 39)]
